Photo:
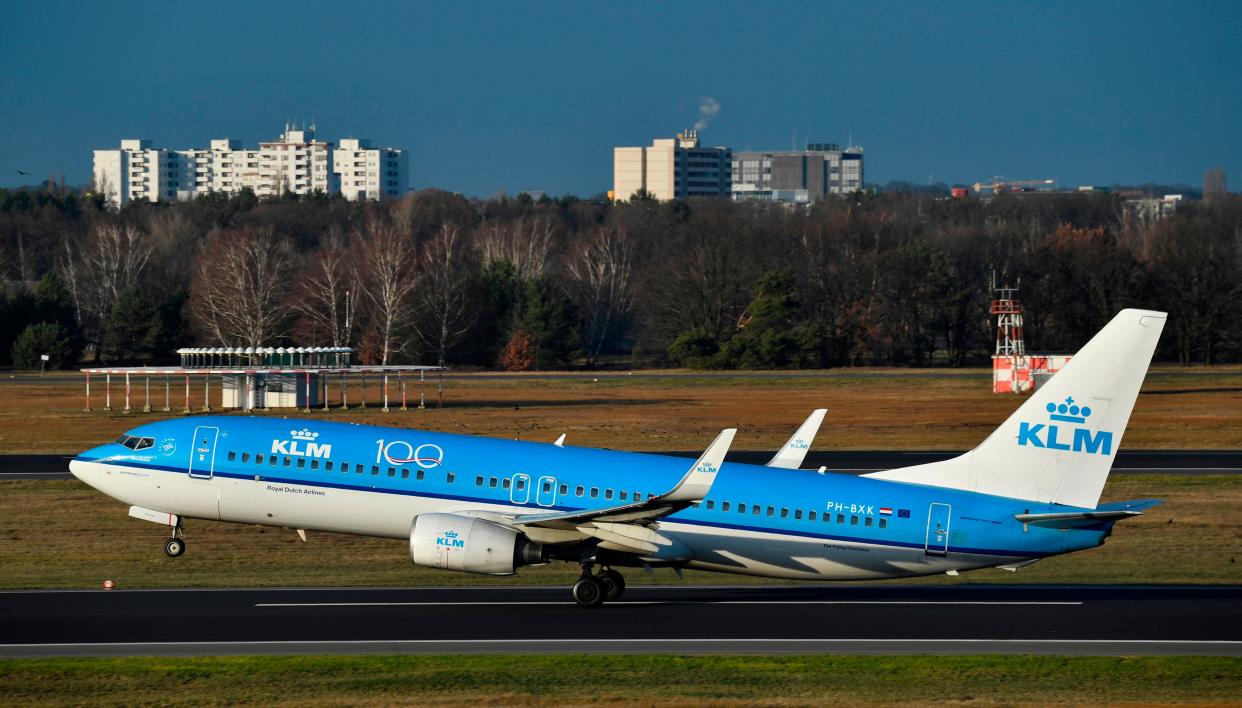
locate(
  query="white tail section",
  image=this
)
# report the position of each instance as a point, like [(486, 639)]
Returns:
[(1059, 446)]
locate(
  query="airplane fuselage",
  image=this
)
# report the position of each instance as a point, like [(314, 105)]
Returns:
[(756, 520)]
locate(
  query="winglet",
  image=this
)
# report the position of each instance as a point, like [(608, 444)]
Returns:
[(791, 455), (695, 485), (560, 442)]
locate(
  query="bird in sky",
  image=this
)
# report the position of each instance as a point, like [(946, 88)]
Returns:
[(23, 173)]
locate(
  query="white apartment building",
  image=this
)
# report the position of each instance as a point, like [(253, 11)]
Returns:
[(672, 168), (370, 173), (295, 162)]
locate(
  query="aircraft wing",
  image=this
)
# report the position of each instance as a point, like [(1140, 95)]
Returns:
[(692, 488), (791, 455)]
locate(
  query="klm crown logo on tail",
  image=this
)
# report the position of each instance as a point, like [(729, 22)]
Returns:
[(1058, 437)]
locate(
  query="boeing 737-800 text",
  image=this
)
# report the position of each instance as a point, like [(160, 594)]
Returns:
[(1029, 491)]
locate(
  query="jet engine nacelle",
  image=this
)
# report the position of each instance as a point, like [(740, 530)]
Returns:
[(456, 542)]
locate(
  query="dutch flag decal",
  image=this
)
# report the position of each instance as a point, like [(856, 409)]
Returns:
[(886, 511)]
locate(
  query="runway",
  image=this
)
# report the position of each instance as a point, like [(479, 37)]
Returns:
[(1096, 620), (1176, 462)]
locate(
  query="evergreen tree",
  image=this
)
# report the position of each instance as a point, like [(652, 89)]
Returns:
[(134, 329), (548, 317), (39, 339)]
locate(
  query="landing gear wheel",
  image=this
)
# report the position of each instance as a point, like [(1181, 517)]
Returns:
[(614, 583), (589, 592), (174, 547)]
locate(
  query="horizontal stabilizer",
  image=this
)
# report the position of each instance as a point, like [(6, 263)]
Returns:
[(1115, 511)]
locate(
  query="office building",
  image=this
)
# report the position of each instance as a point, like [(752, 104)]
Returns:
[(294, 162), (800, 177), (672, 168)]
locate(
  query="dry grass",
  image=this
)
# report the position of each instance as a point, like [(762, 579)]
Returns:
[(868, 409), (66, 535)]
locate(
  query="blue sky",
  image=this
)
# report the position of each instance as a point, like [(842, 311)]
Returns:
[(515, 96)]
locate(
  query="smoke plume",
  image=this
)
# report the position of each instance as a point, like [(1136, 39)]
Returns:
[(708, 108)]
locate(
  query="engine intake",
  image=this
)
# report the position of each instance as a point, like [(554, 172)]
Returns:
[(456, 542)]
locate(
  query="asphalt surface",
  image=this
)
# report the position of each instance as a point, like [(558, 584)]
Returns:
[(1177, 462), (1100, 620)]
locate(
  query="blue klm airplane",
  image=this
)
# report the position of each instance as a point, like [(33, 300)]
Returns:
[(1029, 491)]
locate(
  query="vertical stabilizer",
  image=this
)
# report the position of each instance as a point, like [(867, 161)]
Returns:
[(1060, 444)]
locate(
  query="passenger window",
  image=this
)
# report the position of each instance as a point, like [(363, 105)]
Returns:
[(564, 489), (867, 520), (245, 457), (840, 518), (810, 515), (374, 470), (797, 513), (405, 474), (492, 482), (419, 474), (741, 508), (853, 521), (594, 492), (450, 477), (579, 490), (883, 523), (521, 484), (478, 481), (232, 455), (358, 469), (608, 494), (288, 462), (756, 510), (623, 495), (547, 486), (301, 462), (258, 459), (724, 506), (711, 504), (784, 513), (392, 472), (271, 461), (314, 464), (771, 511), (328, 465)]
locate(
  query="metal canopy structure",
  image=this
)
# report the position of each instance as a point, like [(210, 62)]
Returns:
[(312, 379)]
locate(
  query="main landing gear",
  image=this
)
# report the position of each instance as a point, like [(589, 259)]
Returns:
[(175, 546), (595, 590)]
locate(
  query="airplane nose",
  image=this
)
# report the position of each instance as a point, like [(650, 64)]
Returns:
[(77, 468)]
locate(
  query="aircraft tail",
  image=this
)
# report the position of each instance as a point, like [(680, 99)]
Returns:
[(1060, 444)]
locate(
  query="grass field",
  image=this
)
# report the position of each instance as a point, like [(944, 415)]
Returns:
[(63, 534), (868, 409), (623, 680)]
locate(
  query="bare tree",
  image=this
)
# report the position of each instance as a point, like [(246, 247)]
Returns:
[(328, 292), (525, 243), (601, 279), (241, 279), (444, 291), (109, 261), (388, 278)]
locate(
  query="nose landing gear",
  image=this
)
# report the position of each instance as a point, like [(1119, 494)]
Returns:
[(175, 546)]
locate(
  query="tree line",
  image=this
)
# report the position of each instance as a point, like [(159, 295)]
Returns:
[(872, 278)]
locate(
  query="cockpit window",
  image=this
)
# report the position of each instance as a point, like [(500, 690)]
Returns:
[(134, 442)]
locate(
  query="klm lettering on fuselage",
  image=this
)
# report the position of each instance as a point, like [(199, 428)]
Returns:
[(303, 445), (1056, 437)]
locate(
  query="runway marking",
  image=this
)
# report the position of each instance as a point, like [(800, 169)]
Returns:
[(664, 602)]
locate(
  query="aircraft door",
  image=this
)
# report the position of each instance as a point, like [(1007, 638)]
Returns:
[(936, 542), (519, 492), (546, 495), (203, 451)]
